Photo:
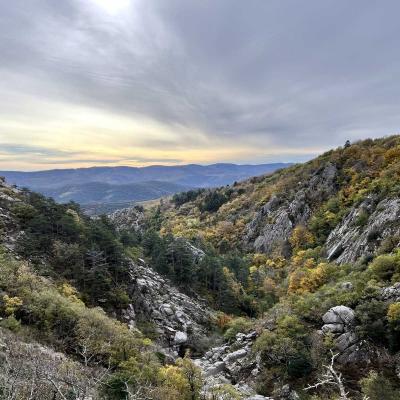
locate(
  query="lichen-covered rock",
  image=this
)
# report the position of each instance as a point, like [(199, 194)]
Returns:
[(361, 231), (9, 228)]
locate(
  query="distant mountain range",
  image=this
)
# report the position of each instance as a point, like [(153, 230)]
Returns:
[(109, 185)]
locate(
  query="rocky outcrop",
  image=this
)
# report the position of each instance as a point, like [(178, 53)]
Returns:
[(131, 218), (391, 293), (274, 222), (362, 231), (339, 323), (9, 229), (231, 364), (237, 365), (177, 319)]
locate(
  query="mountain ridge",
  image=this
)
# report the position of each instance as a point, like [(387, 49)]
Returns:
[(132, 174), (117, 187)]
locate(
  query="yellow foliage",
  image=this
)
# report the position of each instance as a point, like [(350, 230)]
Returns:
[(70, 292), (269, 285), (11, 304), (307, 280), (173, 378), (392, 154), (301, 238), (393, 313), (183, 379), (233, 284)]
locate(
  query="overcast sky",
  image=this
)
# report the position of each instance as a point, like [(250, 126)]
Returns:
[(139, 82)]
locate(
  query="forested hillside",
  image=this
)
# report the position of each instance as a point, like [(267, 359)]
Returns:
[(280, 287), (68, 329)]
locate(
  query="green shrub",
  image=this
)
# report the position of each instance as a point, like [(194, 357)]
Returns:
[(362, 218), (386, 267), (237, 325), (377, 387), (11, 323), (213, 201), (371, 317)]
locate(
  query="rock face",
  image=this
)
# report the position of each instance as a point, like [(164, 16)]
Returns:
[(339, 322), (9, 229), (178, 319), (131, 218), (274, 222), (363, 229)]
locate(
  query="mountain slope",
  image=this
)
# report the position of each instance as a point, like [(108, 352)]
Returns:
[(313, 251), (260, 214), (60, 272)]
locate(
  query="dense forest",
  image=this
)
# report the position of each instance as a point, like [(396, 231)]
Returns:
[(271, 255)]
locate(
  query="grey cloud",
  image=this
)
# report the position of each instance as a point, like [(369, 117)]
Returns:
[(111, 161), (52, 156), (270, 73), (24, 150)]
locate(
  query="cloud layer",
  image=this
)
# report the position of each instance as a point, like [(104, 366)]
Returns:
[(136, 82)]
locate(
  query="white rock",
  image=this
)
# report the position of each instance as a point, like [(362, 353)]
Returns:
[(339, 315), (230, 357), (215, 369), (180, 337)]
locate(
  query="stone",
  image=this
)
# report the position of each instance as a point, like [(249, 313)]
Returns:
[(215, 369), (230, 357), (333, 328), (180, 337), (391, 293), (131, 218), (339, 315), (346, 286), (157, 301), (167, 309), (345, 340)]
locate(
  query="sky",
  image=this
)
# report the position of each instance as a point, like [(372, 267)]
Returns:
[(141, 82)]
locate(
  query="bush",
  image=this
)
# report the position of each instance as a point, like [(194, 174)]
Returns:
[(213, 201), (181, 198), (299, 366), (377, 387), (237, 325), (372, 321), (386, 267)]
